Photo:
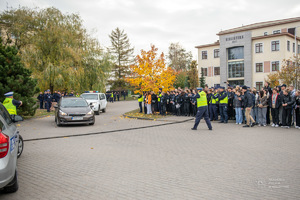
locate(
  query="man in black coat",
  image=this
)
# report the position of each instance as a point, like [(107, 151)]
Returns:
[(248, 104), (41, 99)]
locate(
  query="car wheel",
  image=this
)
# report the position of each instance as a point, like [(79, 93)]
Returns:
[(98, 112), (92, 123), (20, 146), (104, 110), (57, 122), (13, 186)]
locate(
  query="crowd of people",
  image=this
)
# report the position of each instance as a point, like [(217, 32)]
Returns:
[(48, 100), (278, 106)]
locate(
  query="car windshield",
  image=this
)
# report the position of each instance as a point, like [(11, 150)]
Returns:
[(90, 96), (65, 103)]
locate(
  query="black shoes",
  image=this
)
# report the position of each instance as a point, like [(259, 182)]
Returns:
[(193, 129), (210, 129), (246, 126), (221, 122), (253, 125)]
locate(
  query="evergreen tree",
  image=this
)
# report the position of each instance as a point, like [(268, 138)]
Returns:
[(15, 77), (123, 53), (202, 79), (193, 75)]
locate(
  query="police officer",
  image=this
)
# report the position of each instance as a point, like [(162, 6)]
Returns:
[(202, 109), (48, 100), (164, 100), (158, 100), (213, 106), (41, 99), (11, 104), (223, 104), (140, 100)]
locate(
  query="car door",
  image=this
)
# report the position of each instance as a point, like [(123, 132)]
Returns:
[(9, 129)]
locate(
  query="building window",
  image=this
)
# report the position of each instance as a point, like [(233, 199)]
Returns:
[(275, 66), (275, 45), (216, 53), (276, 32), (216, 71), (204, 71), (298, 49), (236, 69), (258, 48), (204, 54), (259, 67), (236, 53), (288, 45), (294, 47), (259, 86), (265, 33)]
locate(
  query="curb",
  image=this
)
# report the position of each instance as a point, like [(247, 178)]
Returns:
[(141, 118)]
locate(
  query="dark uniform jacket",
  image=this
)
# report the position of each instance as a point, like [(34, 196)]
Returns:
[(248, 99), (40, 97), (289, 100)]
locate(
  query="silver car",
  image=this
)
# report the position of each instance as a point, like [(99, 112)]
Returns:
[(9, 140)]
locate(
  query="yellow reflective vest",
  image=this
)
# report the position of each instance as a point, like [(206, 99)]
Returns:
[(225, 100), (212, 100), (141, 99), (10, 107), (202, 101)]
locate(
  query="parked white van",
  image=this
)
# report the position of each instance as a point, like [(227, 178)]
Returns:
[(98, 100)]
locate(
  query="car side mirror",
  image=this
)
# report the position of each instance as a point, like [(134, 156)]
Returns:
[(55, 106), (16, 118)]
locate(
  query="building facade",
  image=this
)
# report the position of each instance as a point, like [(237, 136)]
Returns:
[(247, 54)]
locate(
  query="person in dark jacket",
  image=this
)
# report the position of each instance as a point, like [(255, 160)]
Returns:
[(297, 109), (223, 104), (248, 104), (275, 103), (41, 99), (230, 103), (269, 91), (287, 105)]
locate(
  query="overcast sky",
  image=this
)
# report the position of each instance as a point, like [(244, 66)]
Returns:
[(161, 22)]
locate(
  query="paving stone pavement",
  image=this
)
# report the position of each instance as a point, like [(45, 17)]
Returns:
[(165, 162)]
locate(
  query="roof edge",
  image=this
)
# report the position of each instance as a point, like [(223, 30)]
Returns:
[(266, 24)]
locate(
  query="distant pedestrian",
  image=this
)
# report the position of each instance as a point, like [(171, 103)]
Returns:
[(41, 100)]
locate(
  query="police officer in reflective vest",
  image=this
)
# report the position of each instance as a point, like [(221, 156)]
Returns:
[(202, 109), (158, 100), (223, 104), (213, 106), (11, 104), (140, 100)]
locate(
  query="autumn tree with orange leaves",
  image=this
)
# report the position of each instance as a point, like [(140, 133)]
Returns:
[(149, 73)]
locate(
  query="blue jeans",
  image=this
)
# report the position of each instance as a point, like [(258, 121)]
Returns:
[(238, 115), (223, 113)]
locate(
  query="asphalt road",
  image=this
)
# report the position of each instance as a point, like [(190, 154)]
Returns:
[(160, 159)]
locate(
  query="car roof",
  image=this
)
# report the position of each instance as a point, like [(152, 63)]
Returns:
[(72, 98)]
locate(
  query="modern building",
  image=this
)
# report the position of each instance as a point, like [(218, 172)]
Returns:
[(246, 55)]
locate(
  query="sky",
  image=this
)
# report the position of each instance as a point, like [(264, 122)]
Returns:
[(162, 22)]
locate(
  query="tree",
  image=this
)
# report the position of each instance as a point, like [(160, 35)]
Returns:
[(123, 53), (181, 80), (273, 79), (288, 74), (179, 59), (202, 79), (15, 77), (290, 71), (57, 49), (149, 73), (193, 75)]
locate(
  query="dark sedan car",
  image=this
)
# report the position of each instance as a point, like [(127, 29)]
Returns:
[(73, 110)]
